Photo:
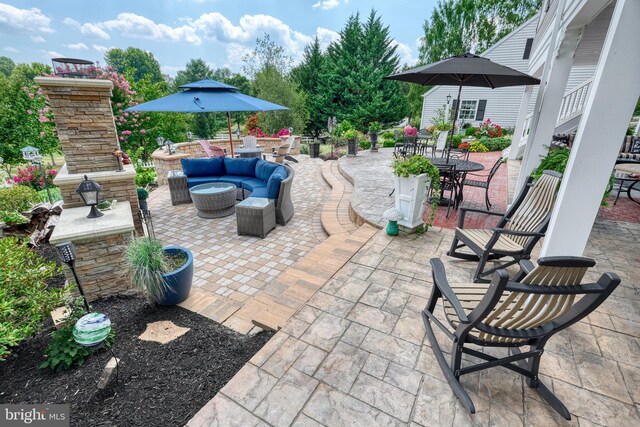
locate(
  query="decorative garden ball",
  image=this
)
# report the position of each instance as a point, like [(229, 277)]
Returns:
[(393, 215), (91, 329)]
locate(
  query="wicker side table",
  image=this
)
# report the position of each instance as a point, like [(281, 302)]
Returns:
[(178, 187), (256, 216), (214, 200)]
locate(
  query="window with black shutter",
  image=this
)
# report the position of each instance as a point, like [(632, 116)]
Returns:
[(482, 106), (527, 49)]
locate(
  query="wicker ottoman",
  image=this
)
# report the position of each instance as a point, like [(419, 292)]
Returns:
[(256, 216), (214, 200), (178, 187)]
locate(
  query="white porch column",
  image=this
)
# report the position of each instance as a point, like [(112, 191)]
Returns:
[(545, 115), (522, 117), (605, 119)]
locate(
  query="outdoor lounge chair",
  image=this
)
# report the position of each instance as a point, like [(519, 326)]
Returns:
[(283, 151), (512, 314), (211, 150), (250, 141), (517, 232)]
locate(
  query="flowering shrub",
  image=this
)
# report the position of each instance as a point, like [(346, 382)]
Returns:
[(32, 177), (282, 132), (477, 147), (464, 146), (257, 132), (410, 131), (489, 129)]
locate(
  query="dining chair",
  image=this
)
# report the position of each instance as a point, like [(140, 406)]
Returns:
[(481, 183)]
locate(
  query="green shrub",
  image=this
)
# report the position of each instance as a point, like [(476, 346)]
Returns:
[(496, 144), (386, 143), (470, 131), (25, 298), (351, 134), (56, 195), (17, 198), (556, 160), (375, 127), (143, 193), (364, 144), (14, 217), (304, 149), (343, 127), (144, 177), (388, 135), (457, 140)]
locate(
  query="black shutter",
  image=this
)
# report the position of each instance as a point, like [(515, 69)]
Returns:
[(453, 106), (482, 105), (527, 49)]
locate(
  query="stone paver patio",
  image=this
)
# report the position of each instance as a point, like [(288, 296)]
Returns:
[(356, 354)]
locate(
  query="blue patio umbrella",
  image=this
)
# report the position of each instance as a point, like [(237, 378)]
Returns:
[(207, 96)]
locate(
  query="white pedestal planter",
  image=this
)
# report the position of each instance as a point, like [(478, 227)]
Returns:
[(442, 140), (411, 194)]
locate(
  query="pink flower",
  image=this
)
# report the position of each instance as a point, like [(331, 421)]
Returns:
[(122, 138), (31, 95), (142, 131), (119, 104), (126, 114), (43, 119), (42, 134), (29, 112)]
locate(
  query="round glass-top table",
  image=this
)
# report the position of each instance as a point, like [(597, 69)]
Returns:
[(248, 152), (462, 166), (214, 199)]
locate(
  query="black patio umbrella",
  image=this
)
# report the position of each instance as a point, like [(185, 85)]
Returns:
[(465, 70)]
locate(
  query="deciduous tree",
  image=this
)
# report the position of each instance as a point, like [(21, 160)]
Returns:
[(134, 62)]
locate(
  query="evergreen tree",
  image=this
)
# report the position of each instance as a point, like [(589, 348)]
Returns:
[(352, 81), (6, 66), (195, 70), (307, 76)]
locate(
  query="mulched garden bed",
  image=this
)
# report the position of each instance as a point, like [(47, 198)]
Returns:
[(159, 385)]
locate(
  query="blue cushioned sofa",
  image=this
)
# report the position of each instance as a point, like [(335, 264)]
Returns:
[(261, 178)]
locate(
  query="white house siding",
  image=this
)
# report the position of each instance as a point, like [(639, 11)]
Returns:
[(502, 103)]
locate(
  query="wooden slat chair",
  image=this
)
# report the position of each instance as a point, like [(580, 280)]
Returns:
[(512, 314), (516, 233), (283, 151), (250, 141), (210, 150)]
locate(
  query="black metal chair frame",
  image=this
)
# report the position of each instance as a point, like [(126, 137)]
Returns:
[(525, 363), (449, 182), (488, 253), (481, 184)]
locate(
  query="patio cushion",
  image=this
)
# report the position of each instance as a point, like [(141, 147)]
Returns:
[(253, 183), (264, 169), (241, 167), (202, 167), (197, 180), (234, 179), (259, 192), (273, 184)]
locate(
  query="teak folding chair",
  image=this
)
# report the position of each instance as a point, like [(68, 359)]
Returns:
[(516, 233), (211, 150), (512, 314)]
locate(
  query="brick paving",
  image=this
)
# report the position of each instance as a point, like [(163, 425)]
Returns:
[(356, 352)]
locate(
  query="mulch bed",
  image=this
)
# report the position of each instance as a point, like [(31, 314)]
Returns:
[(158, 384)]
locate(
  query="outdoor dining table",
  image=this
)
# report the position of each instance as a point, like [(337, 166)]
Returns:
[(249, 152)]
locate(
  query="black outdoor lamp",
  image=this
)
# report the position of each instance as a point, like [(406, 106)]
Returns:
[(90, 191), (448, 99), (189, 135), (160, 141), (67, 253), (169, 144)]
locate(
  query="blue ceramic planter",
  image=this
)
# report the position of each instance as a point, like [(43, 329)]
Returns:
[(180, 280)]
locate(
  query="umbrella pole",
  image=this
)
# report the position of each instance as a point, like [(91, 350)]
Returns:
[(230, 135), (453, 125)]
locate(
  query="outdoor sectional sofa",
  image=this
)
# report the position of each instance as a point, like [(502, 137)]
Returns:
[(260, 177)]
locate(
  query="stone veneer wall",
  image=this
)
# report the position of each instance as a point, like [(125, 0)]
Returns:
[(84, 121), (99, 265), (165, 162)]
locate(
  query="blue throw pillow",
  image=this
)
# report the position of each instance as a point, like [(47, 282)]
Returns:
[(242, 167), (273, 184), (264, 169), (202, 167)]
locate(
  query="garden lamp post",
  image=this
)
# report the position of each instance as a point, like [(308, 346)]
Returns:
[(169, 144), (160, 141), (67, 253), (90, 192), (32, 154)]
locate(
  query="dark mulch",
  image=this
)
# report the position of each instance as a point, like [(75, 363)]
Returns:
[(159, 385)]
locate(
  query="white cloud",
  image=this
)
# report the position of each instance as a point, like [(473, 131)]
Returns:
[(172, 70), (100, 48), (52, 54), (14, 20), (405, 53), (94, 31), (132, 25), (11, 49), (76, 46), (326, 36), (38, 39), (327, 4), (71, 21)]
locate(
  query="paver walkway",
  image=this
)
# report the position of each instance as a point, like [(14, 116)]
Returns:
[(248, 283)]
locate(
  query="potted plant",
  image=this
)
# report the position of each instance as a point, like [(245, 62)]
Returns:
[(374, 129), (413, 177), (314, 149), (351, 136), (442, 126), (164, 274), (143, 195)]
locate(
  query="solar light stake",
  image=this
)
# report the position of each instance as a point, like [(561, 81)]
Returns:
[(67, 253)]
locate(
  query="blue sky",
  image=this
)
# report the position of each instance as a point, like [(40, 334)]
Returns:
[(218, 31)]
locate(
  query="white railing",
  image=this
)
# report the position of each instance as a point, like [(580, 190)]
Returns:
[(525, 130), (146, 165), (307, 139), (573, 102)]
